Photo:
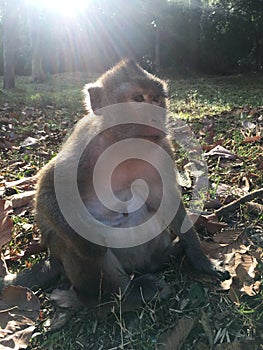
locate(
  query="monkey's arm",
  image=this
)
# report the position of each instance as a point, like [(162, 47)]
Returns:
[(192, 245), (51, 221)]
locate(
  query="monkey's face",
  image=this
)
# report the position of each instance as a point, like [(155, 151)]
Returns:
[(138, 90), (128, 82), (155, 95)]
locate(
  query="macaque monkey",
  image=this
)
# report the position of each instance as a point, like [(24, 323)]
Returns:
[(98, 271)]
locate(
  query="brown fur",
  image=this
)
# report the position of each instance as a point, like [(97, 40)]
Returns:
[(97, 271)]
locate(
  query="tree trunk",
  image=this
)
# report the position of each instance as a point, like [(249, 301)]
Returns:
[(9, 42), (38, 74), (196, 15), (257, 44), (37, 28)]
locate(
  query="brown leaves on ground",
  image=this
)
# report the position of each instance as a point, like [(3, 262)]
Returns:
[(175, 338), (19, 309), (233, 247), (6, 226), (20, 193)]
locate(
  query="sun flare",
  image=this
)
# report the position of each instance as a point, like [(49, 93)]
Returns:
[(64, 7)]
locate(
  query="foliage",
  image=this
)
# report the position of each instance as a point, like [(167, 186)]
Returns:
[(213, 36)]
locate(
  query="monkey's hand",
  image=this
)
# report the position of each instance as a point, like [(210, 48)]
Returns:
[(203, 264)]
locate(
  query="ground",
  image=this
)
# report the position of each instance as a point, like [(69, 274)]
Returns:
[(225, 111)]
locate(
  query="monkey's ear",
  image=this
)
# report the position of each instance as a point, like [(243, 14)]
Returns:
[(92, 97)]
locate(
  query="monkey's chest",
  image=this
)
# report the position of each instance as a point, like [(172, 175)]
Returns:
[(131, 216), (127, 212)]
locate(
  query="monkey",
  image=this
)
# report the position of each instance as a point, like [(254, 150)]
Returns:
[(97, 271)]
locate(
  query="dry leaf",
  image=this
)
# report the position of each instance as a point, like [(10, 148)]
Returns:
[(211, 224), (232, 248), (251, 289), (19, 308), (6, 225), (222, 152), (21, 199), (232, 240), (242, 269), (245, 266), (250, 139), (26, 183), (175, 338)]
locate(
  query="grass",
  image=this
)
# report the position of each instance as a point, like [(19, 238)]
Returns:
[(201, 96), (55, 107)]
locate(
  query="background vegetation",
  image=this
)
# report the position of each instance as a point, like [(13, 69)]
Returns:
[(211, 36)]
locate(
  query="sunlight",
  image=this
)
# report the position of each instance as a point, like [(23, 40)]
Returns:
[(64, 7)]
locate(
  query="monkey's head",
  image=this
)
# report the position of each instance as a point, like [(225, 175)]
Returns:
[(125, 82)]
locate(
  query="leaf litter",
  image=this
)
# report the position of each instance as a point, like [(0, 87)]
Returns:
[(233, 246)]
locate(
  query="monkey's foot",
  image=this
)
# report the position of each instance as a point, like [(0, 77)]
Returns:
[(203, 264), (41, 275), (144, 289)]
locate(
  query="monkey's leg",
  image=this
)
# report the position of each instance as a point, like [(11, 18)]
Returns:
[(98, 280), (192, 246), (42, 275)]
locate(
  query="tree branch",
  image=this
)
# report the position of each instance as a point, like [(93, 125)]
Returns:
[(223, 211)]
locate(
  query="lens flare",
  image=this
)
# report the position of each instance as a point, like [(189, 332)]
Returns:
[(66, 8)]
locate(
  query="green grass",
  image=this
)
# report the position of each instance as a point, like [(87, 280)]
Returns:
[(59, 91), (212, 95), (56, 107)]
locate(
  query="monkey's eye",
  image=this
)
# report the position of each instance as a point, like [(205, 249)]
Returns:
[(138, 98), (156, 98)]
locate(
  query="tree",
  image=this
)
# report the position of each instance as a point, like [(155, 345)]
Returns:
[(10, 19), (37, 28)]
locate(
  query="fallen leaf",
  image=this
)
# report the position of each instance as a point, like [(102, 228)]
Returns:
[(232, 240), (211, 224), (251, 289), (251, 139), (22, 199), (24, 184), (222, 152), (245, 266), (242, 268), (19, 309), (175, 338), (6, 224), (30, 141)]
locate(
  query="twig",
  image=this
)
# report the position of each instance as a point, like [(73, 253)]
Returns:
[(223, 211)]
